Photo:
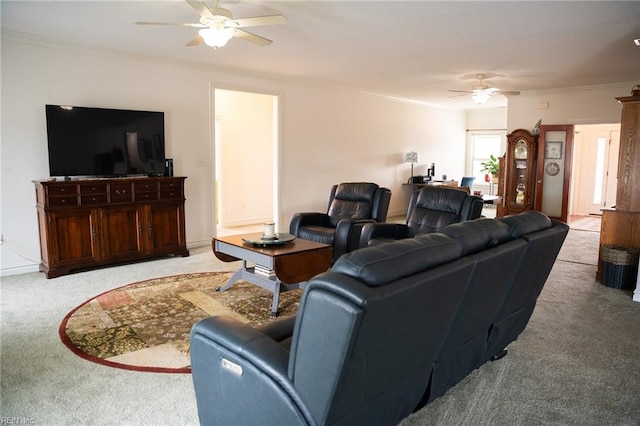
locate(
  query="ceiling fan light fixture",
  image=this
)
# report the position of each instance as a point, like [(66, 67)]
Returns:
[(480, 97), (216, 37)]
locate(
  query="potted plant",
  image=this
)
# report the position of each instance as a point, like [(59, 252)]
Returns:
[(491, 167)]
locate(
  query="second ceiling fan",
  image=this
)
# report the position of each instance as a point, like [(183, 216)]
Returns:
[(217, 26), (481, 92)]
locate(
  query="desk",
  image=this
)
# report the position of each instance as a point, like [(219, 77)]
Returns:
[(448, 183), (435, 183)]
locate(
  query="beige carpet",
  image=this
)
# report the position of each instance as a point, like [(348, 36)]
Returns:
[(145, 326), (577, 363)]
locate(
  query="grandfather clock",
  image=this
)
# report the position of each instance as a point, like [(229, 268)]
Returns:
[(520, 172)]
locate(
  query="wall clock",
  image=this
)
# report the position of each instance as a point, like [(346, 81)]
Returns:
[(552, 169)]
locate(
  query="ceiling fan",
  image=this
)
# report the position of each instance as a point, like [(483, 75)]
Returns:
[(217, 26), (481, 92)]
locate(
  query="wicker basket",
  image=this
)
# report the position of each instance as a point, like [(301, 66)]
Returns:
[(620, 266)]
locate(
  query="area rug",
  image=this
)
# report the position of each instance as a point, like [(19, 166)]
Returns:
[(145, 326)]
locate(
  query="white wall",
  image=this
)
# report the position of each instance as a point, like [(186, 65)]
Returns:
[(328, 136), (595, 105), (332, 136), (487, 119)]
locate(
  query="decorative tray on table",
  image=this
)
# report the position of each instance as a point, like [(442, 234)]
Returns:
[(277, 239)]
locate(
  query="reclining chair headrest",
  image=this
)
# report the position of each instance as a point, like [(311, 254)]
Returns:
[(442, 199), (527, 222), (476, 235), (435, 207), (379, 265), (352, 201)]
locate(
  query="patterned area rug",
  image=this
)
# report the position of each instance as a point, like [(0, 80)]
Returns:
[(145, 326)]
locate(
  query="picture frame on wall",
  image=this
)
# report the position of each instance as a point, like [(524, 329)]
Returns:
[(553, 150)]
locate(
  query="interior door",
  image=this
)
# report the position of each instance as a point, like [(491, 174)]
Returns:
[(553, 176)]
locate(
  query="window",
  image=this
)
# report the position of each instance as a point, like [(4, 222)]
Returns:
[(483, 145)]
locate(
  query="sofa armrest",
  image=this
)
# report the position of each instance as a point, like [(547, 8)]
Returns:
[(280, 329), (394, 231), (471, 208), (348, 235), (354, 234), (307, 219), (240, 376)]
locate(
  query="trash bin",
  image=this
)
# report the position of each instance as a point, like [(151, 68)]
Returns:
[(620, 266)]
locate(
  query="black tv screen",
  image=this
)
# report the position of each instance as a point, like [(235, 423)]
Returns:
[(104, 142)]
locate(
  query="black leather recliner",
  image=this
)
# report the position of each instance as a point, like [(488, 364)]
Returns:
[(350, 206), (430, 209)]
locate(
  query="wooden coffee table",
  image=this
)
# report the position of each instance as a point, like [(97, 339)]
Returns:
[(280, 266)]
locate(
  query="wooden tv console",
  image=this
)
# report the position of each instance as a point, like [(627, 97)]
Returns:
[(93, 222)]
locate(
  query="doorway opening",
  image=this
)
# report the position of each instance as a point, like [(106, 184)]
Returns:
[(246, 147), (595, 169)]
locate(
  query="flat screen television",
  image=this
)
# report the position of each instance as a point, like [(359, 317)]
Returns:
[(104, 142)]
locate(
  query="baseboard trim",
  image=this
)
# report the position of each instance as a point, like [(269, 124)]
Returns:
[(18, 270), (198, 244)]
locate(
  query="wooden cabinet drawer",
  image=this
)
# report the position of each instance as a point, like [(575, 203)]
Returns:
[(171, 190), (170, 185), (71, 200), (55, 190), (175, 194), (121, 192), (145, 186), (93, 188), (87, 200), (146, 196)]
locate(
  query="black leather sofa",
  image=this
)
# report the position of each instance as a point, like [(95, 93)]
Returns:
[(386, 330), (430, 209)]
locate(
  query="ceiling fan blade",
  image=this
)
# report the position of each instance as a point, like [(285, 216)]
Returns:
[(261, 20), (173, 24), (507, 92), (245, 35), (461, 91), (457, 96), (196, 41), (201, 8)]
